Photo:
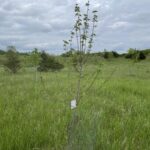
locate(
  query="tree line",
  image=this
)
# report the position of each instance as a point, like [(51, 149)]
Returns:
[(45, 62), (131, 54)]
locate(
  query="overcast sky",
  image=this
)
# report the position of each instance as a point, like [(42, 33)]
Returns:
[(46, 23)]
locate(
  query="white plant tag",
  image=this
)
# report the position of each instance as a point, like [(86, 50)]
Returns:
[(73, 104)]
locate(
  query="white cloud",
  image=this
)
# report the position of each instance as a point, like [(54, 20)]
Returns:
[(119, 24)]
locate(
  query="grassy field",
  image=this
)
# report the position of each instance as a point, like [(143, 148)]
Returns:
[(112, 115)]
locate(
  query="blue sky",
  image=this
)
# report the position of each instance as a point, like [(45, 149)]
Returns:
[(46, 23)]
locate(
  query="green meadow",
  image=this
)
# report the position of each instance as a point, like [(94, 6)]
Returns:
[(113, 114)]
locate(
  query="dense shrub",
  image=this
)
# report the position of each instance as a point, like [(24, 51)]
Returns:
[(135, 55), (128, 56), (115, 54), (68, 54), (131, 53), (12, 60), (2, 52), (141, 56), (49, 63), (106, 55), (146, 51)]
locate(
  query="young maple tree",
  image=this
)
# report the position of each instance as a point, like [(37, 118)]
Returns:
[(81, 40)]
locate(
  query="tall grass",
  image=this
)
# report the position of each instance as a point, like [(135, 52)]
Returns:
[(34, 114)]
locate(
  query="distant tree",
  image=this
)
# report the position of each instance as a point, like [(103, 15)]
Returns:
[(35, 60), (49, 63), (35, 57), (128, 56), (135, 54), (146, 51), (140, 56), (106, 54), (12, 59), (23, 53), (131, 53), (115, 54), (69, 53), (2, 52)]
